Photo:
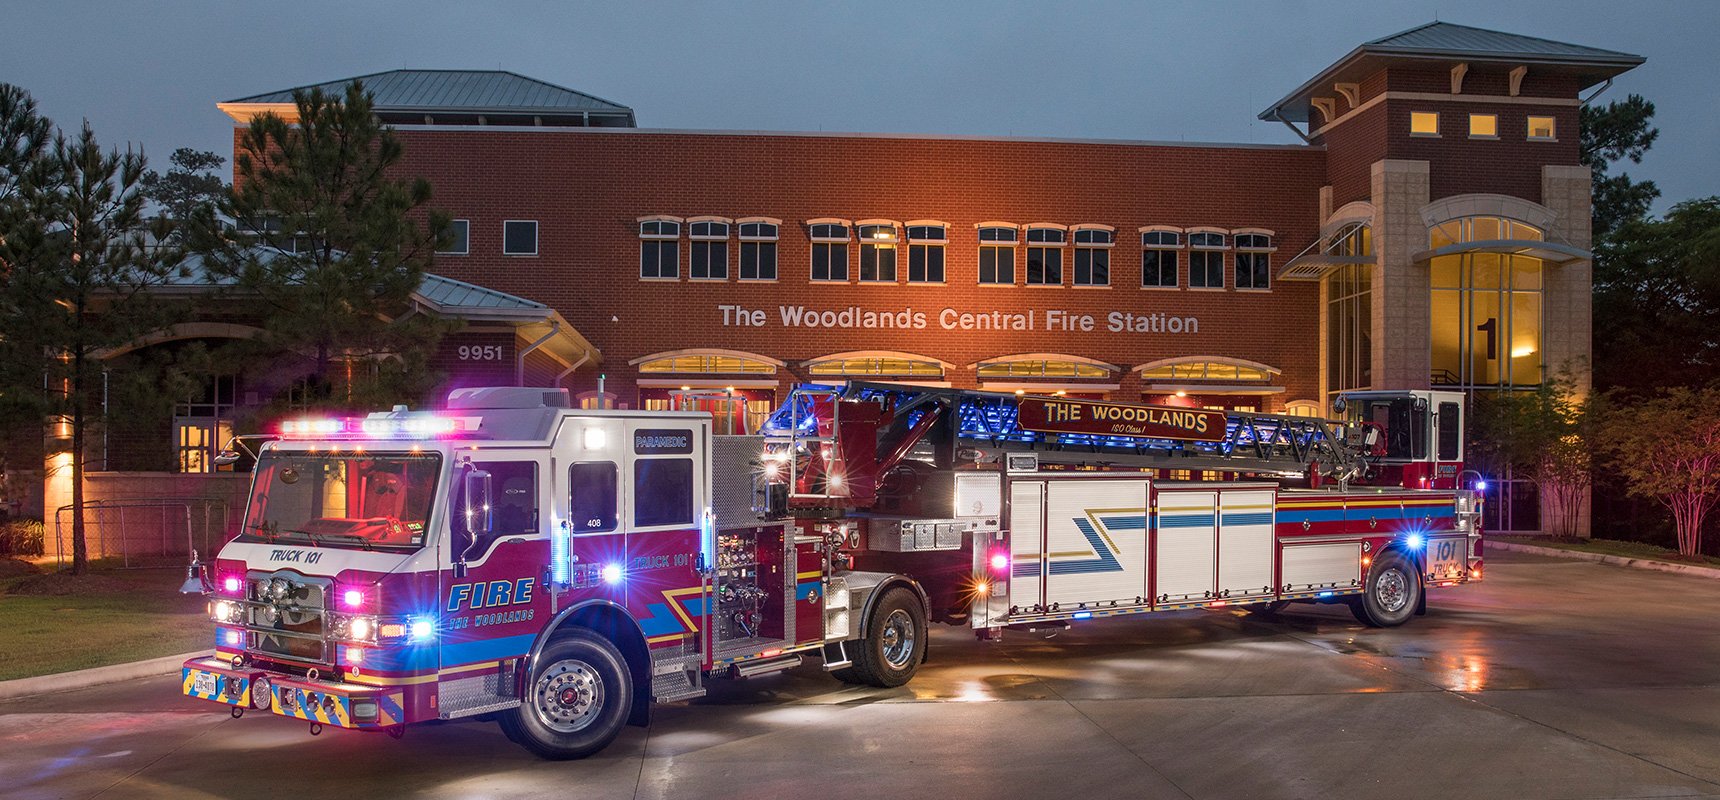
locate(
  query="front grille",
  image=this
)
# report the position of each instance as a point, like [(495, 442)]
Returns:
[(286, 616)]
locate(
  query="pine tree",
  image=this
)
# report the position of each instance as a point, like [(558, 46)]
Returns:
[(330, 246)]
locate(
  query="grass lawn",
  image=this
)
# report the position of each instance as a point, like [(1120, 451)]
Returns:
[(56, 622), (1613, 547)]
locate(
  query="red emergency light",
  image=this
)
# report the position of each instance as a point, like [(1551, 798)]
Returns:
[(420, 426)]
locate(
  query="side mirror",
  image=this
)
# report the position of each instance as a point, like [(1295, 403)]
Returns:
[(480, 516)]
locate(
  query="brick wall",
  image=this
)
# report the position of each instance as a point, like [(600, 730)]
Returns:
[(586, 188)]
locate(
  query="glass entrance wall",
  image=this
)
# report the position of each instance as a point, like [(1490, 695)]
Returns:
[(1349, 315), (1486, 307)]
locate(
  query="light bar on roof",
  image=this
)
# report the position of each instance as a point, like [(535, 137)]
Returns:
[(411, 427)]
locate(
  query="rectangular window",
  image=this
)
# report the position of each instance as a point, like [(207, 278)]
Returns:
[(592, 502), (459, 238), (710, 260), (829, 262), (1092, 266), (925, 263), (520, 237), (997, 265), (877, 262), (1484, 126), (1159, 269), (1044, 266), (758, 261), (659, 258), (1424, 123), (1206, 269), (1542, 128), (1253, 270), (663, 491)]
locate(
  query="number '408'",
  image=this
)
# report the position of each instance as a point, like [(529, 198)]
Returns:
[(480, 352)]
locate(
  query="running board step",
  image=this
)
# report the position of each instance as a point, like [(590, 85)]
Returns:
[(764, 666), (676, 680), (836, 656)]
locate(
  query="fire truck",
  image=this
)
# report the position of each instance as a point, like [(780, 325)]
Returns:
[(559, 570)]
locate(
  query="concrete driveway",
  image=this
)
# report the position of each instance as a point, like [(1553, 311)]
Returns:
[(1553, 679)]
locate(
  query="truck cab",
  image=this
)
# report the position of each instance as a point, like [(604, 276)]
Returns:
[(1420, 444)]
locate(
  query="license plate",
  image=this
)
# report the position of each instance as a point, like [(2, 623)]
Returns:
[(1447, 559), (203, 683)]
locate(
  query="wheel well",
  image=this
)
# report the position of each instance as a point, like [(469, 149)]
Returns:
[(613, 624), (890, 583)]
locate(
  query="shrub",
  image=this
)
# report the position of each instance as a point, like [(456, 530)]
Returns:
[(22, 537)]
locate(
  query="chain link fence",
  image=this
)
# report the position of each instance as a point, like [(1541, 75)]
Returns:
[(143, 533)]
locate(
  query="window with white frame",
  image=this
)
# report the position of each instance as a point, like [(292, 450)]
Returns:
[(926, 252), (1254, 260), (878, 252), (829, 251), (459, 238), (1206, 260), (660, 249), (1159, 258), (1093, 255), (709, 249), (1045, 255), (997, 254), (758, 250), (520, 237)]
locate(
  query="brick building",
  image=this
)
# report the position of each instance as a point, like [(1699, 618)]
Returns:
[(1433, 229)]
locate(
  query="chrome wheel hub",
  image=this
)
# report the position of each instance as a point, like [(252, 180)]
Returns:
[(1391, 590), (567, 696), (897, 639)]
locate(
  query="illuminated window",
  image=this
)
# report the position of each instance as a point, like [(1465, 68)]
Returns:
[(1542, 128), (1486, 307), (659, 248), (1484, 126), (1424, 123), (1254, 260), (1045, 255), (1349, 313), (1159, 258), (878, 252), (710, 250), (829, 251), (707, 363), (1041, 368), (1093, 255), (1195, 369), (896, 365), (1302, 408), (1206, 260), (758, 250), (997, 254), (926, 253)]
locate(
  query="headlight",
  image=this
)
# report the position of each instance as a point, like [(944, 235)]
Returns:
[(355, 628), (226, 611)]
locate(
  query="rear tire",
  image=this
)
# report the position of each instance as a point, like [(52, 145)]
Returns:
[(894, 643), (1391, 593), (576, 701)]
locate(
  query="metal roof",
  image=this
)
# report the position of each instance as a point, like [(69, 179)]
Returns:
[(468, 90), (452, 295), (1449, 41), (1448, 38)]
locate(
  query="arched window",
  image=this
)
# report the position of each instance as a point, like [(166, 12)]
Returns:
[(1045, 241), (878, 239), (1302, 408), (1093, 254), (874, 364), (926, 240), (1207, 368), (709, 259), (1486, 304), (659, 248), (706, 362), (1043, 365), (997, 253)]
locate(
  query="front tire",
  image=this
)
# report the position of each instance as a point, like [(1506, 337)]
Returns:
[(894, 643), (577, 700), (1391, 592)]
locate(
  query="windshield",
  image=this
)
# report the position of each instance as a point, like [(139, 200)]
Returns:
[(354, 500), (1403, 426)]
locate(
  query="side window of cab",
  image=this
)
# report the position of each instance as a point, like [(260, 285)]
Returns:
[(513, 501)]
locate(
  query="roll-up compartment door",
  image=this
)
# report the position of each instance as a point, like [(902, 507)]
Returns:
[(1245, 543), (1185, 562), (1026, 542), (1309, 567), (1095, 542)]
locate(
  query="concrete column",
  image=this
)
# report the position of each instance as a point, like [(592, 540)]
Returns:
[(1568, 293), (1402, 340)]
